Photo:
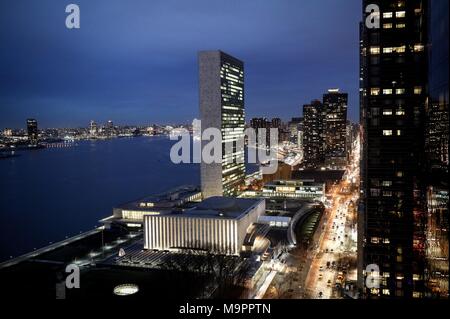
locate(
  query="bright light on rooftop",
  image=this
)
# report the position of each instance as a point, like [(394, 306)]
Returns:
[(126, 289)]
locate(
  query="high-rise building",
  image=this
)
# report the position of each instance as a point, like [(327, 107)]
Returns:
[(335, 104), (93, 128), (32, 129), (276, 123), (437, 106), (300, 140), (393, 85), (261, 123), (222, 107), (300, 134), (436, 147), (7, 132), (294, 126), (313, 134), (109, 128), (351, 136)]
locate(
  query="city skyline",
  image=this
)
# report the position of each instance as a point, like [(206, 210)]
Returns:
[(76, 75), (330, 208)]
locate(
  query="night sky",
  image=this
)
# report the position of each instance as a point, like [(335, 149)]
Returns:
[(135, 62)]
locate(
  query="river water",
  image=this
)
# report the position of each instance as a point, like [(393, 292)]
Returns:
[(48, 194)]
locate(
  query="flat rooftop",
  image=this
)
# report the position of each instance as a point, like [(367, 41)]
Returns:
[(166, 200), (220, 207)]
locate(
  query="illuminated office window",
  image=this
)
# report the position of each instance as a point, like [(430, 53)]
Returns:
[(417, 294), (388, 15), (375, 91), (419, 48), (374, 50), (387, 183), (400, 14), (400, 49)]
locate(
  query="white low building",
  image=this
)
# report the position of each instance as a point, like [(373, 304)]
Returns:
[(131, 214), (218, 224)]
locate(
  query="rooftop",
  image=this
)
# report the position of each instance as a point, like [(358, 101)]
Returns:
[(167, 200), (222, 207)]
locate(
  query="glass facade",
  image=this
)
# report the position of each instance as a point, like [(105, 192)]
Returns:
[(313, 134), (437, 107), (437, 117), (222, 107), (32, 129), (233, 124), (335, 104), (393, 68)]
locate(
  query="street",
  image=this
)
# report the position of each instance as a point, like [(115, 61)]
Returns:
[(334, 256), (320, 271)]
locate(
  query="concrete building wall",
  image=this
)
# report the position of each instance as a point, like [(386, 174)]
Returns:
[(219, 235), (210, 100), (167, 232), (249, 219)]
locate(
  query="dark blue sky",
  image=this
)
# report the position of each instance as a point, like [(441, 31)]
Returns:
[(135, 62)]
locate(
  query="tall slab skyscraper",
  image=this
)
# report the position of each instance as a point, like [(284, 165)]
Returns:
[(393, 96), (221, 102), (436, 147), (314, 134), (335, 104), (32, 129)]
